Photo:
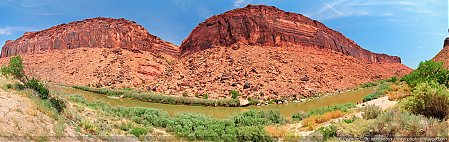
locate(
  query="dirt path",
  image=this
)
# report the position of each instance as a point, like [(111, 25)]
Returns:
[(382, 102)]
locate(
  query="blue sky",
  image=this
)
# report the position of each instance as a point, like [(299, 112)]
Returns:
[(411, 29)]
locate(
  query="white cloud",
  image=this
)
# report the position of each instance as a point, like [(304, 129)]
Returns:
[(239, 3), (11, 30), (5, 31)]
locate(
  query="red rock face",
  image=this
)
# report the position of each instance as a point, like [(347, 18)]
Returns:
[(91, 33), (268, 26), (443, 55)]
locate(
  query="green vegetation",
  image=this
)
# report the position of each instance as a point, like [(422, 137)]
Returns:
[(39, 87), (323, 110), (15, 68), (371, 111), (328, 132), (247, 126), (428, 71), (165, 99), (381, 91), (393, 124), (429, 99), (392, 79), (369, 84), (234, 94)]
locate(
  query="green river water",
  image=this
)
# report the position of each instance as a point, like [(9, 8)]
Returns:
[(287, 110)]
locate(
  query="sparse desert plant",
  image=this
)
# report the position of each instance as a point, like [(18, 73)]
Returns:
[(429, 99), (382, 90), (299, 116), (328, 132), (371, 111), (314, 120), (277, 131), (369, 84)]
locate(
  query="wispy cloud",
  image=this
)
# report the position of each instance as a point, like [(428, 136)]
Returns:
[(239, 3), (11, 30), (331, 9)]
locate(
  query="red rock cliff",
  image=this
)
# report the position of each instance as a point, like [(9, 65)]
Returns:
[(92, 33), (269, 26)]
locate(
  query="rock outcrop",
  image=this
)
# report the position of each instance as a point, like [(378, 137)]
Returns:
[(443, 55), (268, 26), (91, 33)]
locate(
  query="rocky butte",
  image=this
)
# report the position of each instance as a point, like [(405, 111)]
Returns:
[(443, 55), (90, 33), (269, 26), (260, 51), (266, 53)]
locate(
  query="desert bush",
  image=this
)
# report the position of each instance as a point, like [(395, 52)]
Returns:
[(429, 99), (328, 132), (277, 131), (195, 126), (253, 117), (299, 116), (397, 95), (371, 111), (58, 104), (234, 94), (314, 120), (404, 124), (39, 87), (428, 71), (138, 131), (392, 79), (14, 68)]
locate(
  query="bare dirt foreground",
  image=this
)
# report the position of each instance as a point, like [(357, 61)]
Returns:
[(22, 120)]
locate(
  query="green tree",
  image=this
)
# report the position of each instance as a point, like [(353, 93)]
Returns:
[(428, 71), (15, 68)]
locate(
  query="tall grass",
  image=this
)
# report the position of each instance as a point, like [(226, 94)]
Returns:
[(165, 99)]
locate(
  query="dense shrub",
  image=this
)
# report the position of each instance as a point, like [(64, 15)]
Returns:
[(195, 126), (165, 99), (252, 118), (39, 87), (58, 104), (14, 68), (299, 116), (138, 131), (392, 79), (429, 99), (371, 111), (428, 71)]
